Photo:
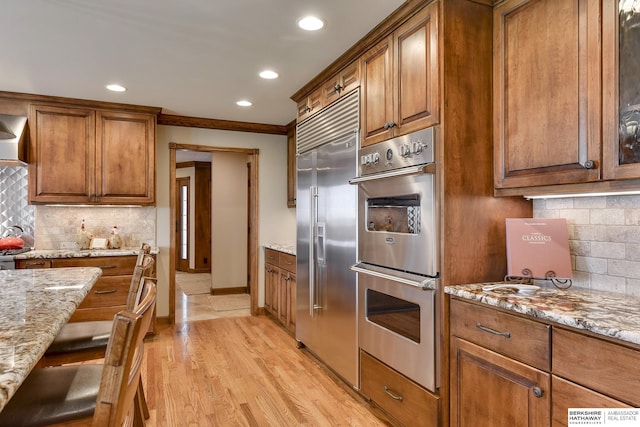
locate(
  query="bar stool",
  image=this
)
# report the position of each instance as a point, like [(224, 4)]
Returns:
[(106, 392)]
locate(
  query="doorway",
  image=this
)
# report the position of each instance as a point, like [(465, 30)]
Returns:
[(252, 226)]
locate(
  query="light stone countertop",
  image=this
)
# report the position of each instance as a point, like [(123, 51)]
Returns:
[(611, 314), (77, 253), (34, 305), (287, 248)]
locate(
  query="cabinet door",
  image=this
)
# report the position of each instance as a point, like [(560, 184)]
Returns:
[(491, 390), (271, 277), (344, 82), (416, 72), (61, 156), (310, 105), (377, 92), (547, 92), (291, 303), (621, 103), (125, 157), (569, 395), (283, 288)]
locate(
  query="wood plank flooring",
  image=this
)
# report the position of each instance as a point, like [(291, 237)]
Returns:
[(244, 371)]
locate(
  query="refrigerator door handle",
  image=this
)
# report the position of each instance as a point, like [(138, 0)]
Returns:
[(313, 201)]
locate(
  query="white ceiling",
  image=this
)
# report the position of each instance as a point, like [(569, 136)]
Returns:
[(190, 57)]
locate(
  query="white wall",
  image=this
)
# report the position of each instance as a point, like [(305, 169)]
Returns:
[(276, 222), (229, 219)]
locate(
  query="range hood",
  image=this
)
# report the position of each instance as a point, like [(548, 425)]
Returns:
[(13, 140)]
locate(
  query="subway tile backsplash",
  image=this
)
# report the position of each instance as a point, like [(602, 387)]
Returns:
[(604, 239), (56, 226)]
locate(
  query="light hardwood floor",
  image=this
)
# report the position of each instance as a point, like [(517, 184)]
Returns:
[(244, 371)]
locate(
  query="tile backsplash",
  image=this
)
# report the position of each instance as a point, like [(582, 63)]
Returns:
[(14, 209), (56, 226), (604, 239)]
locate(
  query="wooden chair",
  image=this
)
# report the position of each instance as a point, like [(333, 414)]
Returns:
[(106, 392), (80, 341)]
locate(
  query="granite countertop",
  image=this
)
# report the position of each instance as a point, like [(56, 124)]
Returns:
[(287, 248), (77, 253), (611, 314), (34, 305)]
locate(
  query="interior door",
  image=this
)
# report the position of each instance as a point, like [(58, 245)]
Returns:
[(182, 224)]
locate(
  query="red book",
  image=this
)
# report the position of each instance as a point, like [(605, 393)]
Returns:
[(538, 248)]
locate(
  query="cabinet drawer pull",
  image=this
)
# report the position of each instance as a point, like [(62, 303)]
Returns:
[(106, 291), (288, 262), (392, 394), (106, 267), (35, 263), (492, 331)]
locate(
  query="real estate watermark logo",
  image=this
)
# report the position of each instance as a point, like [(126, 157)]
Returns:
[(614, 417)]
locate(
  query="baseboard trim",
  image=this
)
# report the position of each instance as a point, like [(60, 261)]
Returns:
[(229, 291)]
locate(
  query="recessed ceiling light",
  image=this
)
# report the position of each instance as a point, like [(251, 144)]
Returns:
[(310, 23), (244, 103), (116, 88), (268, 74)]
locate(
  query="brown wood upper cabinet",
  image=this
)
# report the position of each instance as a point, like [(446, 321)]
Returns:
[(87, 156), (400, 80), (341, 83), (558, 92)]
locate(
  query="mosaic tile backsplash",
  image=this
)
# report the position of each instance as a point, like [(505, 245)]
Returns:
[(56, 226), (604, 239), (14, 209)]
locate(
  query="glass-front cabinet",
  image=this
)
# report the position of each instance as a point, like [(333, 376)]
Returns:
[(621, 84)]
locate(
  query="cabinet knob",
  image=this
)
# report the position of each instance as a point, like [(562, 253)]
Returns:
[(589, 164), (537, 392), (337, 87)]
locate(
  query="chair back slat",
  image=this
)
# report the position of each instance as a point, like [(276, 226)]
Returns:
[(140, 272), (123, 361)]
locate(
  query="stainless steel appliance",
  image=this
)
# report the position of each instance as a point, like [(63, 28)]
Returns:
[(326, 318), (397, 240)]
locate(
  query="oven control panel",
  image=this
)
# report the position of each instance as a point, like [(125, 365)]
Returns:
[(407, 150)]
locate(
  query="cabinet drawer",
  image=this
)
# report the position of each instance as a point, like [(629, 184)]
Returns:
[(521, 339), (569, 395), (271, 256), (108, 291), (400, 397), (287, 262), (33, 263), (603, 366), (110, 265)]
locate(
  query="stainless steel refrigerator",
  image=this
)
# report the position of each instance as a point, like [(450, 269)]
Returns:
[(326, 205)]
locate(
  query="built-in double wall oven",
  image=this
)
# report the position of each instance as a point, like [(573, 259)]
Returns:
[(397, 251)]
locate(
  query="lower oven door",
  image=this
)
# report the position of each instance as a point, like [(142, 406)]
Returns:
[(396, 316)]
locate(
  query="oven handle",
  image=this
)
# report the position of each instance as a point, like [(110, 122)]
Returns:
[(412, 170), (428, 284)]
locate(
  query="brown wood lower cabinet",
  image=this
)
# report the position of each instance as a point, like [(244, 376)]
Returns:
[(109, 294), (491, 390), (280, 287), (508, 369), (397, 395)]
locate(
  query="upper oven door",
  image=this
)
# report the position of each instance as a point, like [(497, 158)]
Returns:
[(396, 222)]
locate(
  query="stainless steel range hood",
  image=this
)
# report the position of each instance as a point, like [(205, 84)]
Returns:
[(13, 140)]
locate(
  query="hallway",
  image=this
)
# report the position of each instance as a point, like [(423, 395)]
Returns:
[(194, 302)]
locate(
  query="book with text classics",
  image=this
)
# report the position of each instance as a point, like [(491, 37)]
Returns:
[(538, 248)]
